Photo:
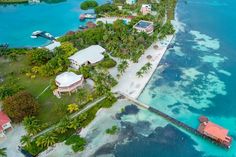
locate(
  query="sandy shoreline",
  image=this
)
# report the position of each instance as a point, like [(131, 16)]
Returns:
[(129, 83)]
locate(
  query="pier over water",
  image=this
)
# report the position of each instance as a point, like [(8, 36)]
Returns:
[(171, 119)]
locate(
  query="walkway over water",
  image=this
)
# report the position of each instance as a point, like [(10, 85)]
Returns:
[(171, 119)]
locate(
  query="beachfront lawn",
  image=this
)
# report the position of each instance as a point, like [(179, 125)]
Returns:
[(56, 135), (51, 109)]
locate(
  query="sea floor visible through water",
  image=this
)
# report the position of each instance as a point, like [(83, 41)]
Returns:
[(199, 80)]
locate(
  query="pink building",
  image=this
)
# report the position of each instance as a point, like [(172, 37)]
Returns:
[(146, 9), (68, 82), (5, 124)]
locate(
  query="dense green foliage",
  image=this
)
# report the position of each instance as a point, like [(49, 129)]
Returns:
[(144, 69), (87, 117), (112, 130), (8, 88), (32, 125), (77, 143), (107, 63), (3, 152), (39, 56), (106, 8), (117, 39), (88, 4), (13, 1), (20, 105), (65, 130)]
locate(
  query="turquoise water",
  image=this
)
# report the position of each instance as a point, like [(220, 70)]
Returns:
[(17, 22), (200, 80)]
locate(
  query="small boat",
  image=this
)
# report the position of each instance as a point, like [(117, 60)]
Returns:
[(82, 27), (49, 35), (87, 16), (35, 34), (42, 34)]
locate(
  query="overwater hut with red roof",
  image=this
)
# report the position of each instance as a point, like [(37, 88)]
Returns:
[(214, 131)]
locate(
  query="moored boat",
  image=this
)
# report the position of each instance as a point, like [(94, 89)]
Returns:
[(87, 16)]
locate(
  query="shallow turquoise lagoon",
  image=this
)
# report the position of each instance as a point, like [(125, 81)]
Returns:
[(17, 22)]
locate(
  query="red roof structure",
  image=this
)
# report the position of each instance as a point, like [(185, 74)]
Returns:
[(214, 131), (91, 24), (3, 119)]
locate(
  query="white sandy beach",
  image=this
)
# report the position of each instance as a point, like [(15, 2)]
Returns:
[(129, 83)]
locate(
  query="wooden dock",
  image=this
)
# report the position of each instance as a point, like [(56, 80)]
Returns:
[(172, 120)]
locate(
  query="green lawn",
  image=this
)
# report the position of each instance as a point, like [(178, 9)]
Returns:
[(52, 109)]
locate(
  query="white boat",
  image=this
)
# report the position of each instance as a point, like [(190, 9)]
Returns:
[(35, 34), (49, 35)]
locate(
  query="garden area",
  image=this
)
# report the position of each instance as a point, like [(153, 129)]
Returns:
[(34, 70), (66, 130)]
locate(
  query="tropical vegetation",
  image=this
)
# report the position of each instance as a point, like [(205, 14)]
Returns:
[(65, 130), (88, 4), (112, 130), (20, 105), (77, 143), (3, 152), (144, 69)]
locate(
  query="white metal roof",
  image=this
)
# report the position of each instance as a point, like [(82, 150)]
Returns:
[(53, 45), (93, 54), (67, 78), (146, 6)]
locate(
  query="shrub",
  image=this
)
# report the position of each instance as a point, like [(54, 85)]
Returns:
[(77, 143), (39, 56), (112, 130), (9, 88), (20, 105), (88, 4), (107, 63)]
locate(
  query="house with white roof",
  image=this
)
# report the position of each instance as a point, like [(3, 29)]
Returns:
[(131, 1), (53, 45), (68, 82), (5, 124), (90, 55), (146, 9)]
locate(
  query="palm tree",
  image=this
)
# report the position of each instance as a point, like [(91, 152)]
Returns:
[(80, 95), (73, 124), (125, 63), (148, 65), (63, 125), (31, 125), (25, 140), (3, 152), (72, 108), (46, 140), (139, 74), (122, 66), (144, 69)]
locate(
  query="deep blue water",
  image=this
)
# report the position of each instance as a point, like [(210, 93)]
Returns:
[(199, 80), (17, 22)]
